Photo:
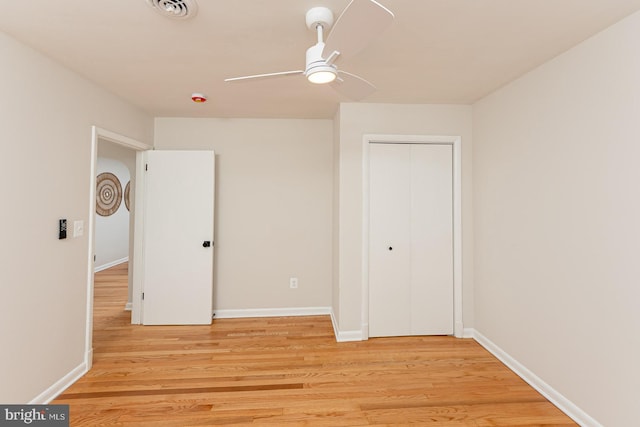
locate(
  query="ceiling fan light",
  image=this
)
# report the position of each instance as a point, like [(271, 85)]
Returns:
[(322, 75)]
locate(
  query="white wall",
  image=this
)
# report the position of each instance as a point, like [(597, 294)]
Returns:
[(273, 207), (557, 222), (45, 139), (112, 232), (355, 120)]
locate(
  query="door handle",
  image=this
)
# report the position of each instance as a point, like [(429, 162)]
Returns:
[(206, 244)]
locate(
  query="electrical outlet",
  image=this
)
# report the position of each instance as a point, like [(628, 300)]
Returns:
[(293, 282)]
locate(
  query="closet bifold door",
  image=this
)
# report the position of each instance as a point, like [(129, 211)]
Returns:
[(410, 239)]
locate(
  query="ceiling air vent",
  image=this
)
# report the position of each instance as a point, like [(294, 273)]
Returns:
[(177, 9)]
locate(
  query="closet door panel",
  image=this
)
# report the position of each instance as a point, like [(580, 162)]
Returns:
[(431, 255), (389, 240)]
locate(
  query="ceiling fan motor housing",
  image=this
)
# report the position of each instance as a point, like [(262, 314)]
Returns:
[(314, 55), (315, 64)]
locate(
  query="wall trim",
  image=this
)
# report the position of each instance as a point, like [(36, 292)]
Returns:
[(345, 336), (555, 397), (123, 140), (271, 312), (128, 306), (60, 386), (111, 264), (468, 333)]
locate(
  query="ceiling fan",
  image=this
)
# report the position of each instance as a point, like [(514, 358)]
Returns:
[(359, 23)]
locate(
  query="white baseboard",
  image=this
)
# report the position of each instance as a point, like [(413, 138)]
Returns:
[(564, 404), (88, 359), (128, 306), (110, 264), (344, 336), (347, 336), (468, 332), (271, 312), (59, 386)]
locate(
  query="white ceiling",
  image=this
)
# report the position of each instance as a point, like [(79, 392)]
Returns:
[(436, 51)]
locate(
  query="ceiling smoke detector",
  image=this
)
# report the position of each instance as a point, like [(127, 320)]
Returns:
[(198, 98), (177, 9)]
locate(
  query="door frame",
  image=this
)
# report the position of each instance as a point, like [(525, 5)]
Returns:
[(456, 143), (97, 134)]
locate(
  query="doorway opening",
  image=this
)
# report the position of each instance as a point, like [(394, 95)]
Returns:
[(119, 142), (115, 191)]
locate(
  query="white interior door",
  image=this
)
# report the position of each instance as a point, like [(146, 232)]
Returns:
[(410, 240), (178, 221)]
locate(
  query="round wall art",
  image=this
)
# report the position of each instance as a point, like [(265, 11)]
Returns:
[(126, 195), (108, 194)]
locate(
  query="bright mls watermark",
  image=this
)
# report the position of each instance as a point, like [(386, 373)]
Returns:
[(34, 415)]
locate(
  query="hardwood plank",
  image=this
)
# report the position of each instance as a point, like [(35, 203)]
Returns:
[(288, 371)]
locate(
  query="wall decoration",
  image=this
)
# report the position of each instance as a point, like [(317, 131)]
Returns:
[(126, 196), (108, 194)]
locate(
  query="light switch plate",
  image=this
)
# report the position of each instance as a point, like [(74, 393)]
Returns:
[(78, 228)]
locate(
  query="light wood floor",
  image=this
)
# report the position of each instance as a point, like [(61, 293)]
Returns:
[(288, 371)]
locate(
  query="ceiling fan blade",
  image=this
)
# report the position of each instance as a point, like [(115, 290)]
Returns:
[(260, 76), (352, 86), (357, 26)]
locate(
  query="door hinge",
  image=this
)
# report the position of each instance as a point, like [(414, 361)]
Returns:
[(143, 296), (146, 166)]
